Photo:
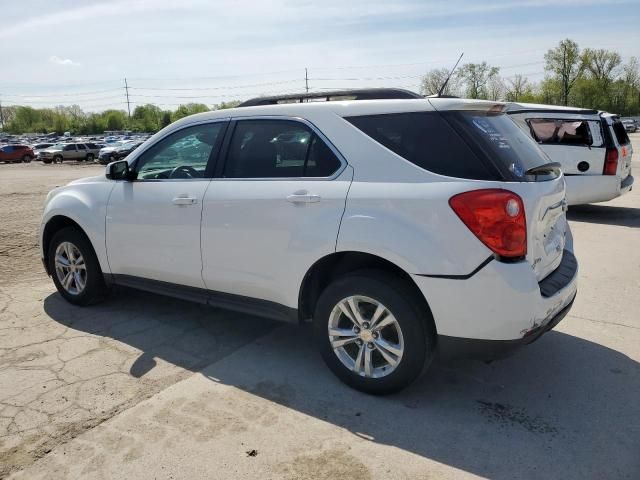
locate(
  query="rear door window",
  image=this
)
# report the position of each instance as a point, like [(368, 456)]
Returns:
[(428, 141), (278, 149)]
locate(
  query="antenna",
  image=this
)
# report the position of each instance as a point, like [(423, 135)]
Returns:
[(444, 85)]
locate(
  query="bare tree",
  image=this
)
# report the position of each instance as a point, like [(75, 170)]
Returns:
[(567, 64), (434, 79), (476, 76), (495, 88), (517, 87)]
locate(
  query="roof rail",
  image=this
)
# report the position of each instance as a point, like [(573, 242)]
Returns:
[(333, 95)]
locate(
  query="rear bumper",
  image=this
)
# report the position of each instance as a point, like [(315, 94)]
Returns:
[(583, 189), (473, 348), (501, 302)]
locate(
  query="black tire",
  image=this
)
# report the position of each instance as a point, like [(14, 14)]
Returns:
[(95, 289), (414, 319), (26, 159), (90, 157), (57, 159)]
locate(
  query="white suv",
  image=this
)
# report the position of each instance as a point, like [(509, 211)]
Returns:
[(399, 227)]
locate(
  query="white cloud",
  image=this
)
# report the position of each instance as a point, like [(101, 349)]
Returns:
[(62, 61)]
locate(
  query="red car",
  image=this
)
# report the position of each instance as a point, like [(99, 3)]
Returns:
[(16, 153)]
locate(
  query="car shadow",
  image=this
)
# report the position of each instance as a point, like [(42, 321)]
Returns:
[(564, 407), (605, 214)]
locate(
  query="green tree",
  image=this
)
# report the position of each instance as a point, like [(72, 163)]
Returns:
[(566, 65), (476, 77), (189, 109)]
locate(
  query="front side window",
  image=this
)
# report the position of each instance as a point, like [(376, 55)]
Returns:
[(81, 147), (278, 149), (69, 148), (566, 132), (182, 155)]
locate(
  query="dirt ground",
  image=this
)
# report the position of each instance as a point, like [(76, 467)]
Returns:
[(109, 391)]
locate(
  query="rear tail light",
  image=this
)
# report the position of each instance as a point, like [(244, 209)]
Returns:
[(496, 217), (611, 162)]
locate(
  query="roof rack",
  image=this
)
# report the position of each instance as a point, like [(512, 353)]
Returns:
[(333, 95)]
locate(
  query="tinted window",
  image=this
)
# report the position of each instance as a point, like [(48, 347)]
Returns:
[(426, 140), (499, 140), (621, 133), (566, 132), (277, 149), (81, 147), (183, 154), (69, 148)]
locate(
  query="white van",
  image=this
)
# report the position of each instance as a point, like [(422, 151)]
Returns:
[(592, 147)]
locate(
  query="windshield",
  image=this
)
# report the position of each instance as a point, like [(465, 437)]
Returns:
[(497, 138)]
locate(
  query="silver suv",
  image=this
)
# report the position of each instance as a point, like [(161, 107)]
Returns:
[(69, 151)]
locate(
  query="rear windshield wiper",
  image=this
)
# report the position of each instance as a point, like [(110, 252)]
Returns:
[(552, 167)]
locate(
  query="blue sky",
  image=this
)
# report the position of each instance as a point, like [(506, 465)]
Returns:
[(176, 51)]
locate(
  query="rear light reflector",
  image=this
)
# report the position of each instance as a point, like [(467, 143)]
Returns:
[(611, 162), (496, 217)]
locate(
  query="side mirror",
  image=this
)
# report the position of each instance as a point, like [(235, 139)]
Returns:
[(119, 170)]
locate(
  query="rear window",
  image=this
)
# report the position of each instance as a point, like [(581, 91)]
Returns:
[(500, 140), (621, 133), (553, 131), (428, 141)]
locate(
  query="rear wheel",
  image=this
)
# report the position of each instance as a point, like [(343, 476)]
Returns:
[(26, 158), (372, 334), (75, 268)]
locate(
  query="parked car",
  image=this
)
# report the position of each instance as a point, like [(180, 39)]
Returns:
[(16, 153), (592, 147), (111, 154), (630, 125), (406, 227), (69, 151), (38, 147)]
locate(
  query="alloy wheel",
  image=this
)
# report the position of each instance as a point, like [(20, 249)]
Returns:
[(365, 336), (70, 268)]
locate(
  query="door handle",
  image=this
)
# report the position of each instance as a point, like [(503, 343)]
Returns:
[(303, 197), (184, 200)]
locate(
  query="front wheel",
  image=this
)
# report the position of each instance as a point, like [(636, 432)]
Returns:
[(90, 157), (57, 159), (26, 158), (372, 333), (74, 267)]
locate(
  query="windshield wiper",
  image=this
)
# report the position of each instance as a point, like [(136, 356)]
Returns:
[(552, 167)]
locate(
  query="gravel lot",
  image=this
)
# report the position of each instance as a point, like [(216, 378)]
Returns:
[(110, 392)]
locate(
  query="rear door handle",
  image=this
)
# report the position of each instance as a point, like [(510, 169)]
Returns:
[(184, 200), (303, 197)]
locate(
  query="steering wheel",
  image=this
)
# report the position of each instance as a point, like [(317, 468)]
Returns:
[(186, 170)]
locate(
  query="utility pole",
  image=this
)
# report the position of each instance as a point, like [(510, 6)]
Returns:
[(306, 79), (126, 89)]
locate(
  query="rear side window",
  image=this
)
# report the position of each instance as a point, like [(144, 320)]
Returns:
[(426, 140), (566, 132), (278, 149), (621, 133)]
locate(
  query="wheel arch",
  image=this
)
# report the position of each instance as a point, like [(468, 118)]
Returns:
[(332, 266)]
